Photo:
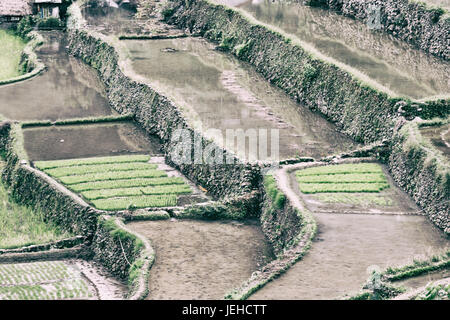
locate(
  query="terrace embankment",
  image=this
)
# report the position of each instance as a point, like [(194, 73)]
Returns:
[(217, 92), (395, 64), (358, 105), (423, 24)]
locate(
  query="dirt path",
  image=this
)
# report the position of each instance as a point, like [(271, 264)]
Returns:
[(201, 260)]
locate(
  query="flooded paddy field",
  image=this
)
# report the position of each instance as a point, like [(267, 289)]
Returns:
[(202, 260), (58, 280), (346, 247), (394, 64), (439, 137), (218, 92), (92, 140), (66, 89)]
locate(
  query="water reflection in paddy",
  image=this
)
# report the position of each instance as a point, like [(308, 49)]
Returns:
[(396, 65)]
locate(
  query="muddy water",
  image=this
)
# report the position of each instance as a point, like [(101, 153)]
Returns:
[(345, 247), (201, 260), (110, 20), (439, 137), (396, 65), (67, 89), (216, 91), (79, 141)]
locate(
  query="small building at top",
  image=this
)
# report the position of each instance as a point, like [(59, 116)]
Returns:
[(12, 11)]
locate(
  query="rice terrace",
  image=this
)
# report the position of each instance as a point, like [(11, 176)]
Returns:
[(224, 150)]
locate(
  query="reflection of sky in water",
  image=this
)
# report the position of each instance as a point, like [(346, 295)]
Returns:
[(66, 89), (393, 63), (216, 91)]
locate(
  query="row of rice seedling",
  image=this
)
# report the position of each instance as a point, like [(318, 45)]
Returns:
[(126, 183), (342, 187), (30, 273), (112, 175), (359, 177), (131, 182), (97, 168), (344, 178), (341, 169), (168, 200), (122, 192), (43, 165), (367, 199), (67, 289)]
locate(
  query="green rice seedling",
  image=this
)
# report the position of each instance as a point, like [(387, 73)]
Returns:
[(112, 176), (342, 187), (344, 178), (43, 165), (97, 168), (135, 202), (126, 183), (341, 169), (360, 199), (110, 193)]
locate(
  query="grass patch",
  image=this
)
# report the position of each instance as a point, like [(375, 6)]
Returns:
[(136, 202), (98, 168), (10, 55), (152, 190), (126, 183), (43, 165), (22, 226), (278, 198)]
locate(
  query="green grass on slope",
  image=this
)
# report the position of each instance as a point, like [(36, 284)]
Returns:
[(22, 226), (10, 54)]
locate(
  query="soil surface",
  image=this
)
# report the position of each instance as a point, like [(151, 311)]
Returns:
[(202, 260), (439, 137), (93, 140)]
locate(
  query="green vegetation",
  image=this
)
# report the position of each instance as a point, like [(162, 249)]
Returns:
[(364, 200), (435, 292), (42, 281), (152, 190), (113, 175), (21, 226), (10, 55), (43, 165), (278, 198), (126, 183), (98, 168), (341, 169), (118, 183), (136, 202), (358, 177)]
